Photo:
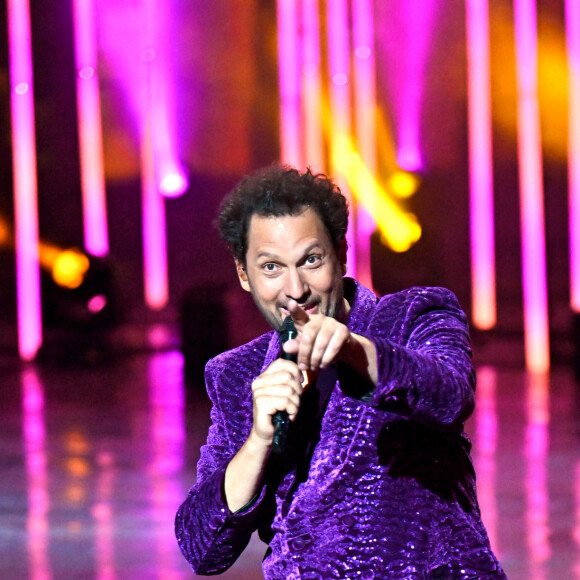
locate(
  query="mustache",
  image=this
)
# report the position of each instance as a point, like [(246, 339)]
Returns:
[(310, 302)]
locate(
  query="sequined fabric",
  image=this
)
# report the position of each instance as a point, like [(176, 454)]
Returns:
[(374, 483)]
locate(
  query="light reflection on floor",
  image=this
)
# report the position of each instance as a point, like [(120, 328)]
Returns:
[(525, 449), (96, 461), (33, 435)]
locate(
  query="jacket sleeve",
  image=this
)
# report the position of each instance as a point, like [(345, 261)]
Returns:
[(210, 536), (424, 357)]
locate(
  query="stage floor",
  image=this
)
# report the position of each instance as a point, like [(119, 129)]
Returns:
[(95, 461)]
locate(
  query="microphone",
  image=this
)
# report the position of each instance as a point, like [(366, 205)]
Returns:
[(280, 419)]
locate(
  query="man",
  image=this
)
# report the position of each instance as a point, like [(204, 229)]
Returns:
[(376, 479)]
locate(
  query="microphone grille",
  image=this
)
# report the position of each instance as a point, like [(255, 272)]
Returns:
[(288, 330)]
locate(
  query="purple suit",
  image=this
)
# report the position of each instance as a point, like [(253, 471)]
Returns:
[(375, 483)]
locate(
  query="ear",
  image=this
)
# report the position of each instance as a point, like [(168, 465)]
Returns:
[(242, 276)]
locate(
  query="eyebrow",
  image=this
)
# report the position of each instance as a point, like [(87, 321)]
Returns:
[(266, 254)]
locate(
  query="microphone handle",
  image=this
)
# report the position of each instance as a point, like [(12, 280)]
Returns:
[(280, 420)]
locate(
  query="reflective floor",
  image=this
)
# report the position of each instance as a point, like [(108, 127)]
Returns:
[(94, 462)]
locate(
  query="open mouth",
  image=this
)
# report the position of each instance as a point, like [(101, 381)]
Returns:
[(308, 308)]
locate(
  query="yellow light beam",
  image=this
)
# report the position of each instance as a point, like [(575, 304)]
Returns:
[(399, 229)]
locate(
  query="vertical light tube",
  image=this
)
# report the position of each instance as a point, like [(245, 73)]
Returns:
[(339, 69), (365, 122), (483, 293), (90, 133), (340, 111), (419, 18), (536, 327), (25, 185), (155, 272), (312, 86), (289, 72), (364, 78), (171, 178), (573, 49), (153, 219)]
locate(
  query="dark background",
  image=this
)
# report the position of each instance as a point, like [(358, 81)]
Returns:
[(227, 106)]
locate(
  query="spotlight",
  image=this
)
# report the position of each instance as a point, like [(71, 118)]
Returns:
[(404, 184), (80, 308), (174, 184), (69, 268)]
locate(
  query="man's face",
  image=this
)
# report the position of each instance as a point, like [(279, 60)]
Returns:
[(292, 257)]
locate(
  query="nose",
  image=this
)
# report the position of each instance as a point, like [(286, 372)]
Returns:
[(295, 287)]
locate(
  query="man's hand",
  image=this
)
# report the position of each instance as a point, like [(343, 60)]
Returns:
[(323, 340), (278, 388)]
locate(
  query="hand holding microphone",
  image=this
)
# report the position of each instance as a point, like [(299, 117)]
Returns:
[(280, 419)]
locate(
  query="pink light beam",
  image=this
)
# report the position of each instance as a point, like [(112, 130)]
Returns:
[(172, 180), (25, 184), (536, 329), (155, 272), (155, 269), (573, 48), (418, 18), (365, 106), (90, 133), (312, 86), (339, 89), (289, 73), (483, 292)]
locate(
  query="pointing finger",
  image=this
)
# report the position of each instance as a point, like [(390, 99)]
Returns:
[(298, 314)]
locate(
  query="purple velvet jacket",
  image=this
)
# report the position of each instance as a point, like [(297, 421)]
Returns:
[(375, 483)]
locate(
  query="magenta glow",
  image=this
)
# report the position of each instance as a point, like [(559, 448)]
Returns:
[(289, 79), (365, 105), (338, 39), (312, 85), (90, 132), (573, 49), (25, 185), (536, 328), (410, 30)]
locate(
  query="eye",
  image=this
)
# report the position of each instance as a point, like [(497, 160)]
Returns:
[(270, 267), (313, 260)]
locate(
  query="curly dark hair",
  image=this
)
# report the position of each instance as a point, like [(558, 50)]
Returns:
[(281, 190)]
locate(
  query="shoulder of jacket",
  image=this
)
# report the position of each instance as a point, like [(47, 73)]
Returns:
[(430, 294), (241, 355)]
